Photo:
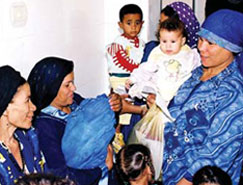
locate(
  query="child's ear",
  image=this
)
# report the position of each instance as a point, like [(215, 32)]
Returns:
[(120, 25), (183, 41)]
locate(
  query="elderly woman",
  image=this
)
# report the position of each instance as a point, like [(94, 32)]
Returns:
[(52, 87), (208, 107), (19, 150)]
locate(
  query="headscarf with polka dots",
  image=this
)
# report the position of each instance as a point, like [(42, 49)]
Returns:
[(190, 21)]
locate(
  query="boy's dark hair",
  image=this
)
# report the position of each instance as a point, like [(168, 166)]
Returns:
[(172, 24), (43, 179), (132, 160), (170, 12), (211, 174), (130, 9)]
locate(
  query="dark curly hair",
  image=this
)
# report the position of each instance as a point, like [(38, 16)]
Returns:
[(172, 24), (211, 174), (43, 179)]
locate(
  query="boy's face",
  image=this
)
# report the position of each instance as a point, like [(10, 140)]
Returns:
[(131, 25), (171, 41)]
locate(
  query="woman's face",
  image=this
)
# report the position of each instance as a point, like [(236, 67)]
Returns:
[(21, 110), (213, 56), (64, 96), (163, 17)]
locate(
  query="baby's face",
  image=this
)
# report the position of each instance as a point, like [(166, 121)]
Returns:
[(171, 41), (131, 25)]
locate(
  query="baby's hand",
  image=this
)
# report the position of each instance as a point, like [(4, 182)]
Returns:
[(128, 83)]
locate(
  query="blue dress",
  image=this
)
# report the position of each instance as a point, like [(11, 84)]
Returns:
[(31, 157), (50, 125), (208, 129)]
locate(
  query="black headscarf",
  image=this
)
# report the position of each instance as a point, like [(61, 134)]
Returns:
[(46, 78), (10, 80)]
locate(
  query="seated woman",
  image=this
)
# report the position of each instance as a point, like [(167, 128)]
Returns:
[(134, 165), (19, 150), (208, 107), (52, 86)]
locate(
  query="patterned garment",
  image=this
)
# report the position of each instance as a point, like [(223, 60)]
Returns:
[(190, 21), (209, 126), (124, 55), (32, 158)]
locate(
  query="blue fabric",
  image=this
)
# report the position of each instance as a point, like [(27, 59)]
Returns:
[(9, 169), (228, 36), (209, 126), (148, 48), (89, 130), (50, 130)]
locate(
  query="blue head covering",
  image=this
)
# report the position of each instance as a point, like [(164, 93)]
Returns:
[(88, 132), (46, 78), (224, 28), (10, 80)]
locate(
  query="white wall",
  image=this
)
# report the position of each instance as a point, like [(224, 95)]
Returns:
[(74, 29), (71, 29)]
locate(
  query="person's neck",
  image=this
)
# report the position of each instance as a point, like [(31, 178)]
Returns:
[(65, 109), (141, 181), (210, 72), (6, 132)]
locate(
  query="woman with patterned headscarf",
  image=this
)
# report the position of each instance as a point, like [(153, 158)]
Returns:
[(19, 149), (208, 108)]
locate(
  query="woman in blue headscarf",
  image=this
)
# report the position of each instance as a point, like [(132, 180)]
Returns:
[(52, 91), (19, 147), (208, 108)]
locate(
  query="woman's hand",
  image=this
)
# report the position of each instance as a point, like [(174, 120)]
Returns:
[(109, 157), (115, 102), (151, 99)]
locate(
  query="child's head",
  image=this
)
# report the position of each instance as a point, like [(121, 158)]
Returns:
[(131, 20), (134, 162), (172, 36), (211, 175)]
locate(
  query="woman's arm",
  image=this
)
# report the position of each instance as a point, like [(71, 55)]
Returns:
[(183, 181)]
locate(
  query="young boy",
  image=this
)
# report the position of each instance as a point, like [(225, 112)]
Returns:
[(125, 53), (169, 65)]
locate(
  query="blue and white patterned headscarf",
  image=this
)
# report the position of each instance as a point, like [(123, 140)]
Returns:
[(224, 28)]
